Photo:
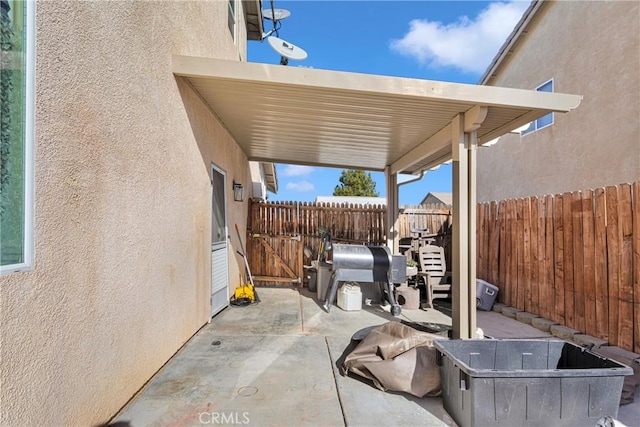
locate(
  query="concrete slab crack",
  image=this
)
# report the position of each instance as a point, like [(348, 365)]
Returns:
[(335, 381), (300, 306)]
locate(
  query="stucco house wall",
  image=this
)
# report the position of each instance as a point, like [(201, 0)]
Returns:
[(122, 269), (587, 48)]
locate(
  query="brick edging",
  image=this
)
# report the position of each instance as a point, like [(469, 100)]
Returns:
[(559, 331)]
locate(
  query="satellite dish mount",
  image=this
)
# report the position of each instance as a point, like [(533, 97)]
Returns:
[(285, 49)]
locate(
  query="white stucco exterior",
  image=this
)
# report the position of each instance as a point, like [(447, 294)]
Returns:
[(122, 265), (590, 48)]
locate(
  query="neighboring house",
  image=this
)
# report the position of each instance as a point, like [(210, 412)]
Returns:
[(590, 48), (358, 200), (441, 198), (107, 267), (263, 179)]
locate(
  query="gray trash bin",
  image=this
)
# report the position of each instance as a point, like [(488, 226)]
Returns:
[(486, 294), (322, 282), (312, 275), (527, 383)]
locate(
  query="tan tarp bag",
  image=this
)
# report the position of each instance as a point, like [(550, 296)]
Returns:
[(399, 358)]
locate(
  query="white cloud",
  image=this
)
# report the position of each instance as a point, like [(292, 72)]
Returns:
[(468, 45), (300, 187), (295, 170)]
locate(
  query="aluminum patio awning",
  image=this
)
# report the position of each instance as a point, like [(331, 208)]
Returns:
[(328, 118), (397, 125)]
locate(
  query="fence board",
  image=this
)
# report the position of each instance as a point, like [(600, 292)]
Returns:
[(494, 244), (512, 256), (503, 295), (625, 224), (520, 252), (534, 279), (567, 235), (559, 257), (513, 252), (601, 266), (487, 242), (486, 246), (589, 264), (480, 239), (544, 291), (549, 261), (613, 258), (578, 260), (635, 212)]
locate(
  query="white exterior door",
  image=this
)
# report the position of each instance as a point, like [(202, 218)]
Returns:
[(219, 251)]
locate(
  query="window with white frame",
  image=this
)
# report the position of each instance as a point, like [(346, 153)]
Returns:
[(232, 18), (17, 19), (546, 120)]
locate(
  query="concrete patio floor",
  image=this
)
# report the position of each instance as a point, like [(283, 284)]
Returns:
[(275, 363)]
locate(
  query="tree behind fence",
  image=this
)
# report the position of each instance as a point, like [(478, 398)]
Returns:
[(573, 258)]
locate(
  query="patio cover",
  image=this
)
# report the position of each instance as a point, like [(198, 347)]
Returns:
[(307, 116)]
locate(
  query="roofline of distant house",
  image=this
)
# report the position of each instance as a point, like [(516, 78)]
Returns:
[(271, 176), (512, 40)]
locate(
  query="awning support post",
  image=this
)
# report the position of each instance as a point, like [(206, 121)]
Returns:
[(464, 227), (472, 207), (393, 240)]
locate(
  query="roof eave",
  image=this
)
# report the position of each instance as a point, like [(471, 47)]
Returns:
[(253, 19), (507, 48), (271, 177)]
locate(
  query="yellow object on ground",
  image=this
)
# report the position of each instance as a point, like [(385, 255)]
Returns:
[(245, 291)]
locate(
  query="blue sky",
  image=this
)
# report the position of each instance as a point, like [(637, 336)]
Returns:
[(436, 40)]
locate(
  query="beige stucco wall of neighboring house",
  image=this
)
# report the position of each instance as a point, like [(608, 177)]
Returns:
[(591, 49), (122, 208)]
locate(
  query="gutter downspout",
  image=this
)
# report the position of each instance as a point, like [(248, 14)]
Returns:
[(417, 178), (391, 181), (393, 191)]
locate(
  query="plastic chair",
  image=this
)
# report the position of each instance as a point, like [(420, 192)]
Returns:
[(433, 271)]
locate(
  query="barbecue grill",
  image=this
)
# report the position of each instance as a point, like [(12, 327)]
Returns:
[(373, 264)]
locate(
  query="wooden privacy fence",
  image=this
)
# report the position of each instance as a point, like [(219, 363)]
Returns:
[(433, 217), (436, 218), (278, 233), (573, 258)]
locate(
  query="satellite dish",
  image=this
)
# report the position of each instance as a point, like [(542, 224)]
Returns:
[(286, 50), (276, 14)]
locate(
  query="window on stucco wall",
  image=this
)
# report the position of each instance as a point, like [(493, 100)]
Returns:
[(16, 134), (543, 121), (232, 19)]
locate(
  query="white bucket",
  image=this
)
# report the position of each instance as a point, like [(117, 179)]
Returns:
[(350, 297)]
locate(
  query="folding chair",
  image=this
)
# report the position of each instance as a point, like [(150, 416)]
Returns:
[(433, 272)]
